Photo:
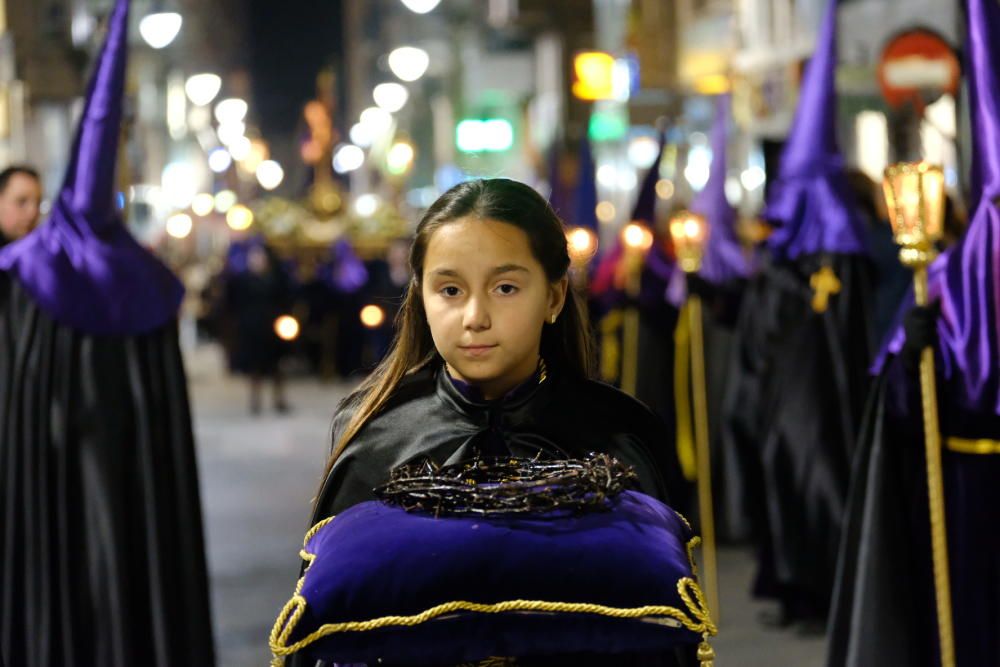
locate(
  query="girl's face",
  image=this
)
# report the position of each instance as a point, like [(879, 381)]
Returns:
[(487, 298)]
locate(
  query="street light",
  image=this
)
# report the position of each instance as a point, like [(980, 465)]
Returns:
[(270, 174), (201, 89), (366, 205), (377, 121), (399, 158), (219, 160), (231, 110), (239, 217), (348, 158), (390, 96), (409, 63), (160, 29), (421, 6), (179, 225)]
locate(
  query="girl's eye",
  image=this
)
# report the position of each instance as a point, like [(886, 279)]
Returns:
[(507, 289), (451, 290)]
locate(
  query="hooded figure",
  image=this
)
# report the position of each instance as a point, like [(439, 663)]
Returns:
[(885, 571), (798, 375), (719, 282), (101, 550)]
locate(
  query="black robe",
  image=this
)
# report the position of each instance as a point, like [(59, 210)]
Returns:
[(101, 551), (797, 385), (884, 609), (428, 416)]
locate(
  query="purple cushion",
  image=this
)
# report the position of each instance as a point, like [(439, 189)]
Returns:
[(467, 588)]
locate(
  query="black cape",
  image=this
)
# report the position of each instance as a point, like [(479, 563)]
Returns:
[(429, 416), (101, 550), (883, 609), (795, 394)]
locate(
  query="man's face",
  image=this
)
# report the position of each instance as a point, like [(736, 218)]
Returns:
[(19, 206)]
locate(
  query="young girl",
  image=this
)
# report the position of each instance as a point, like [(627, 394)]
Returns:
[(491, 357)]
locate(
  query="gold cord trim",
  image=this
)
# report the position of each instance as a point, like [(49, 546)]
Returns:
[(682, 395), (698, 621), (968, 446)]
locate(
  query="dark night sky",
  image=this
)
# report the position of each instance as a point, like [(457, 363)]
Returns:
[(290, 41)]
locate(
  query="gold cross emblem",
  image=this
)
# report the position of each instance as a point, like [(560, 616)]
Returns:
[(823, 283)]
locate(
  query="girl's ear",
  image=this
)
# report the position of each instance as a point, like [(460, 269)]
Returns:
[(557, 296)]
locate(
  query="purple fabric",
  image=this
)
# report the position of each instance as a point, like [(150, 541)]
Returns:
[(82, 267), (810, 204), (724, 259), (966, 280), (375, 560), (236, 255), (645, 203), (970, 296), (345, 273), (585, 194)]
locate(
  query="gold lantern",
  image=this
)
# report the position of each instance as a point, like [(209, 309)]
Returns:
[(689, 232), (914, 194), (637, 240)]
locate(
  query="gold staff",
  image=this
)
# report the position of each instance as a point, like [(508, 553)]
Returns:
[(914, 193), (637, 240), (689, 232)]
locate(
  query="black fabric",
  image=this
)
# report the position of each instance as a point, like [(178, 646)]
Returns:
[(795, 394), (920, 325), (101, 549), (883, 609), (256, 301), (429, 417)]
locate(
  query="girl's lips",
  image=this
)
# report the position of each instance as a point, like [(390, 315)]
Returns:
[(476, 350)]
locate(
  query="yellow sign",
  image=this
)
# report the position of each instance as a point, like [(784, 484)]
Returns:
[(594, 75)]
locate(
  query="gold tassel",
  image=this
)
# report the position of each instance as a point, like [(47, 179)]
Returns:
[(682, 395), (706, 654)]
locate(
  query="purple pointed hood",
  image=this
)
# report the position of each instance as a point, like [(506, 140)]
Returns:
[(810, 203), (724, 258), (82, 267), (645, 203), (969, 326)]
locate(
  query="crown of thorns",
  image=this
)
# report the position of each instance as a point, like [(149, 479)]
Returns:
[(497, 486)]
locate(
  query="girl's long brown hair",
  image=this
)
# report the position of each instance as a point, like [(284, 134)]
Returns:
[(566, 345)]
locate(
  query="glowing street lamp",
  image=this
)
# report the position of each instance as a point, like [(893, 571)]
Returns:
[(160, 29), (390, 96), (231, 110), (270, 174), (201, 89), (179, 225), (421, 6), (409, 63)]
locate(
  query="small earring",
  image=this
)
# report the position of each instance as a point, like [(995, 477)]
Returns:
[(553, 320)]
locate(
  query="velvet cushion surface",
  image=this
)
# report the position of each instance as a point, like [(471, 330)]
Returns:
[(409, 588)]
